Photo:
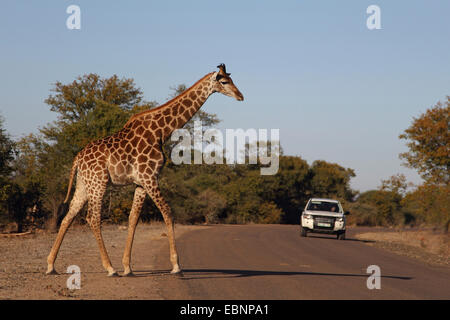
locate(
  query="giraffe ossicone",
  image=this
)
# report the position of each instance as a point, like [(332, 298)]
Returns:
[(134, 155)]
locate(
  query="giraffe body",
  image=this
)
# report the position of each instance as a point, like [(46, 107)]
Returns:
[(134, 155)]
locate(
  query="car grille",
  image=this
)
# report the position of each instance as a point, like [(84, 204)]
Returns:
[(321, 221)]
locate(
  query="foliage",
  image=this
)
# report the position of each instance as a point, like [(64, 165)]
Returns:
[(209, 205), (393, 205), (207, 120), (382, 207), (19, 202), (12, 197), (429, 144), (331, 180), (396, 184), (431, 204), (34, 170), (249, 196), (6, 152), (362, 213), (268, 212), (429, 152), (92, 107)]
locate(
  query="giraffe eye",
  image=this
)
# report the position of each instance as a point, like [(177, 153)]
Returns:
[(224, 82)]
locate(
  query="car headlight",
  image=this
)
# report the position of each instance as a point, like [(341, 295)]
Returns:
[(307, 216), (341, 219)]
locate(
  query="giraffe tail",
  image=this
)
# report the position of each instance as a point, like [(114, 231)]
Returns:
[(72, 175)]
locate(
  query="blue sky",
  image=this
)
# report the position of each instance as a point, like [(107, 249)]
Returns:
[(336, 90)]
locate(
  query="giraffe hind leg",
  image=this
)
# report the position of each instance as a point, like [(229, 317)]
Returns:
[(77, 203), (155, 194), (138, 201), (94, 221)]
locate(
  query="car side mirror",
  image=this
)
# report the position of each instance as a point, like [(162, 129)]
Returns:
[(347, 213)]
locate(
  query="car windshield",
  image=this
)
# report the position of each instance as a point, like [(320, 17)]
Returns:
[(323, 206)]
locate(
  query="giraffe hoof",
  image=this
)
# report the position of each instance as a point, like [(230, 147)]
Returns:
[(178, 274), (129, 274), (51, 272), (176, 270), (113, 274)]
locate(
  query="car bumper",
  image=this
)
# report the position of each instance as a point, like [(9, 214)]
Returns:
[(314, 226)]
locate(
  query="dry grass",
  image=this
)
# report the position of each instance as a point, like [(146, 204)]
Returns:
[(434, 245)]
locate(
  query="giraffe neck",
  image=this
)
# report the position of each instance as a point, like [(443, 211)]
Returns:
[(186, 105), (175, 113)]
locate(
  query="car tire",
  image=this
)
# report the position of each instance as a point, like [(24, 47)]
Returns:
[(304, 233), (341, 236)]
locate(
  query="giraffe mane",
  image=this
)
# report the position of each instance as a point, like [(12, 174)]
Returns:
[(184, 93)]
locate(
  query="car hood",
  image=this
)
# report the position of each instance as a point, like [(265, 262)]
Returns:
[(324, 213)]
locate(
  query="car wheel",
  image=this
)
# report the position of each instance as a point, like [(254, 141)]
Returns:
[(304, 232), (341, 236)]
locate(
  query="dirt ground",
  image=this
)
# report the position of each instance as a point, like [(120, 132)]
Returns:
[(425, 245), (23, 261), (23, 264)]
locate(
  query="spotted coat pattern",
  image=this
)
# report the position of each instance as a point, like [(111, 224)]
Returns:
[(134, 155)]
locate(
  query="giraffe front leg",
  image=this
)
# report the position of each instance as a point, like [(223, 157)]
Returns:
[(138, 201), (166, 212)]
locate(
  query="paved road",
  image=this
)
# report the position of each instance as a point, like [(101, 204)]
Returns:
[(274, 262)]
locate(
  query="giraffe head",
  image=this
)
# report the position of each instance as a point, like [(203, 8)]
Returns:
[(222, 83)]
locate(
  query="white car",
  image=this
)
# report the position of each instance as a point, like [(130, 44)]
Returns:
[(323, 216)]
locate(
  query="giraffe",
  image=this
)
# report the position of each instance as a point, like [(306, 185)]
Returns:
[(134, 155)]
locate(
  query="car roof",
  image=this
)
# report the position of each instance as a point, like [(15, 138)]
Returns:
[(322, 199)]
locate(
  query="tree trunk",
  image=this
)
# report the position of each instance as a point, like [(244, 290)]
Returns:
[(19, 226), (52, 222)]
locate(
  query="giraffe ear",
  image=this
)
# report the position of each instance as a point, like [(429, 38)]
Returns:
[(223, 70), (219, 76)]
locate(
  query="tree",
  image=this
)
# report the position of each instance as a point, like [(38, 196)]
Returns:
[(290, 188), (6, 157), (430, 203), (89, 108), (207, 120), (18, 203), (383, 206), (331, 180), (429, 144), (6, 152), (396, 183), (92, 107), (428, 140), (210, 205), (268, 212), (376, 207), (16, 198), (40, 170), (363, 213)]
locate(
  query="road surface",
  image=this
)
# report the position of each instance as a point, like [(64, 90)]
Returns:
[(274, 262)]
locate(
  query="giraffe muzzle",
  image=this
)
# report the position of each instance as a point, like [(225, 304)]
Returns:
[(239, 96)]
